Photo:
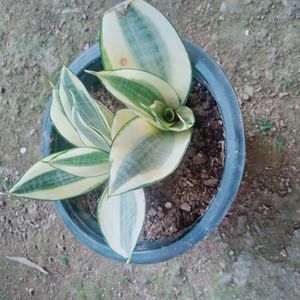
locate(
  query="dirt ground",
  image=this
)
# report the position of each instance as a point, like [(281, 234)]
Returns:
[(255, 253)]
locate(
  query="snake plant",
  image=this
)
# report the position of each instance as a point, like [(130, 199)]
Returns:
[(147, 68)]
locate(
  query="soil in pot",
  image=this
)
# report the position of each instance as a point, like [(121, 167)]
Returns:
[(179, 200)]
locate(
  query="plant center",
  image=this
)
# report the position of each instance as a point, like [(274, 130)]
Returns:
[(169, 115)]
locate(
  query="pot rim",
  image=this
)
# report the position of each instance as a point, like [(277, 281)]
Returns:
[(212, 76)]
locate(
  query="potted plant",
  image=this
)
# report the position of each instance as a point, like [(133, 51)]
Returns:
[(147, 67)]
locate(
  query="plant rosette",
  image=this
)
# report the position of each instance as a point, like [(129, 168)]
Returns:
[(135, 147)]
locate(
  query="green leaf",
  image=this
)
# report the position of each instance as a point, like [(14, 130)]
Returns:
[(43, 181), (186, 119), (62, 123), (72, 91), (138, 90), (121, 117), (84, 162), (142, 154), (135, 35), (172, 120), (121, 220), (107, 113), (88, 135)]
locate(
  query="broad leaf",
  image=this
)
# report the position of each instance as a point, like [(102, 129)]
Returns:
[(136, 35), (62, 123), (84, 162), (72, 91), (142, 154), (121, 220), (138, 90), (149, 97), (121, 117), (43, 181)]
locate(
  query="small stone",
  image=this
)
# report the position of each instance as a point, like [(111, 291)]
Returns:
[(231, 253), (284, 252), (185, 207), (212, 182), (198, 159), (245, 97), (249, 90), (282, 95), (160, 214), (168, 205), (152, 212), (247, 32), (31, 291), (86, 46), (251, 133), (23, 150)]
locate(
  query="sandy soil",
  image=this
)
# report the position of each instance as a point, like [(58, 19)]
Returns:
[(255, 253)]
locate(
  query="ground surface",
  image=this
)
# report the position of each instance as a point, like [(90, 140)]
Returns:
[(255, 253)]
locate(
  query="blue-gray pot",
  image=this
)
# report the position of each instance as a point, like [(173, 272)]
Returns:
[(78, 217)]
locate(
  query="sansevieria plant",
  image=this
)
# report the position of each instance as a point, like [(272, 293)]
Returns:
[(147, 68)]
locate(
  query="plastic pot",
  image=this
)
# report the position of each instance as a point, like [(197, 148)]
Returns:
[(85, 227)]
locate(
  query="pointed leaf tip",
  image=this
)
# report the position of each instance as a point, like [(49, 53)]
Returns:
[(121, 220), (73, 92), (92, 72), (142, 38), (44, 182)]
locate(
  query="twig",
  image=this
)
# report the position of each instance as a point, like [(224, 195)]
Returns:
[(25, 261)]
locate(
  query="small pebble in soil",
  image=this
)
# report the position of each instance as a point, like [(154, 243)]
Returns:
[(168, 205), (212, 182), (185, 207), (152, 212), (160, 214), (199, 159)]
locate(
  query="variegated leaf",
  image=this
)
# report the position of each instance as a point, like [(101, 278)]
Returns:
[(136, 35), (107, 113), (84, 162), (121, 220), (72, 91), (88, 135), (121, 117), (138, 90), (141, 154), (62, 123), (43, 181)]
